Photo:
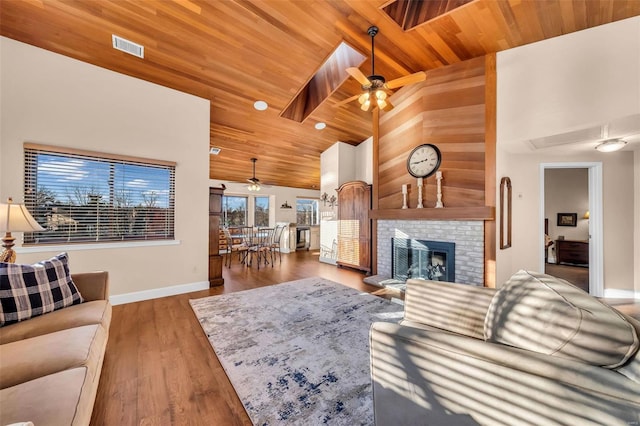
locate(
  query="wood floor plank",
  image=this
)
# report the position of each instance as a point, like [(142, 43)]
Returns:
[(160, 369)]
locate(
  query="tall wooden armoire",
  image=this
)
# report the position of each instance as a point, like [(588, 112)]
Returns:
[(354, 225), (215, 219)]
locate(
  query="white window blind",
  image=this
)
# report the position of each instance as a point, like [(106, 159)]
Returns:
[(82, 196)]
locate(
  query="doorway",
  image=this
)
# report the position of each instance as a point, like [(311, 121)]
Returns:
[(571, 228)]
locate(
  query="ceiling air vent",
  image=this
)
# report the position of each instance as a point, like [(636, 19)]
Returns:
[(127, 46)]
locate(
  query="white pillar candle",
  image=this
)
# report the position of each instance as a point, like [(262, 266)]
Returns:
[(419, 181), (438, 175), (404, 188)]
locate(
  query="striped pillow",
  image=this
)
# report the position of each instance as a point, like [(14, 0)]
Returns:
[(27, 291)]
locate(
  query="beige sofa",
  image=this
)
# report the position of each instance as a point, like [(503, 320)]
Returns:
[(50, 365), (537, 352)]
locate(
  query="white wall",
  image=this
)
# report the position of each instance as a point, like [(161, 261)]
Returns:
[(636, 221), (52, 99), (568, 83), (563, 84), (341, 163)]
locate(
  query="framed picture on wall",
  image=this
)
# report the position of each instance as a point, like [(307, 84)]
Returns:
[(567, 219)]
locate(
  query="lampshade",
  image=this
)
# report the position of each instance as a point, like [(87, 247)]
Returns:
[(611, 145), (16, 218)]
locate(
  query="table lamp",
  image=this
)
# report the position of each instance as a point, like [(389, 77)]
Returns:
[(14, 218)]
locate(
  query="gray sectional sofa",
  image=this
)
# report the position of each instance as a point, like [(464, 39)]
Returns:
[(539, 351)]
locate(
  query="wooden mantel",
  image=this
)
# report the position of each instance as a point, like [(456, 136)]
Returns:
[(446, 213)]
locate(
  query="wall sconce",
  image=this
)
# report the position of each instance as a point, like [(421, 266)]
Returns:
[(333, 200)]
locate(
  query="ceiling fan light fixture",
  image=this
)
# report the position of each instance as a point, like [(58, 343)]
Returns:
[(254, 183), (381, 95), (611, 145)]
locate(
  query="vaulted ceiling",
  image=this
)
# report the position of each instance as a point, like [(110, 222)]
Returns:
[(235, 52)]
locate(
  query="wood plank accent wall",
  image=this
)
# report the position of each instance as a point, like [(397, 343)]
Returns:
[(448, 110), (455, 109)]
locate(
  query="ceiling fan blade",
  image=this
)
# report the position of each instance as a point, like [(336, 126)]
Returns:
[(346, 101), (407, 79), (359, 76)]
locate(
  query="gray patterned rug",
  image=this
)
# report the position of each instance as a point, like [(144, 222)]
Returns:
[(297, 352)]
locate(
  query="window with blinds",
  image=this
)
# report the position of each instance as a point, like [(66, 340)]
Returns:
[(80, 196)]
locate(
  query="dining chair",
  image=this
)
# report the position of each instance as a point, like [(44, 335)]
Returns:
[(234, 245), (275, 242), (261, 248)]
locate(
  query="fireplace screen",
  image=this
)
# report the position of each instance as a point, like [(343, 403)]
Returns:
[(429, 260)]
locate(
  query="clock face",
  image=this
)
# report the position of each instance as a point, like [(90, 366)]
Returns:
[(424, 160)]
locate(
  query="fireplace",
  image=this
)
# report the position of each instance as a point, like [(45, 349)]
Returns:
[(430, 260)]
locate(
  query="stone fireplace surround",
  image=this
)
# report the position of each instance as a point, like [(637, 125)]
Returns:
[(467, 235)]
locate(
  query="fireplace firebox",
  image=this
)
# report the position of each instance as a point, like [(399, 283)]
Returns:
[(429, 260)]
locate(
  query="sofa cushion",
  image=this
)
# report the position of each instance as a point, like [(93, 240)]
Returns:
[(27, 291), (87, 313), (548, 315), (51, 353), (61, 399)]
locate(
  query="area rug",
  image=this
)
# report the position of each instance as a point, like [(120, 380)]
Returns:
[(297, 352)]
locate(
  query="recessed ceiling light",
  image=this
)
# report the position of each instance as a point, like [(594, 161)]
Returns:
[(320, 125), (611, 145), (260, 105), (214, 150)]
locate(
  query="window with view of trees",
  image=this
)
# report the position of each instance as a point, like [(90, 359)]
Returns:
[(261, 211), (92, 197), (234, 210), (307, 211)]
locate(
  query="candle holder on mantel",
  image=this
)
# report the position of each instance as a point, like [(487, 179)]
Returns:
[(420, 205), (404, 196), (439, 204)]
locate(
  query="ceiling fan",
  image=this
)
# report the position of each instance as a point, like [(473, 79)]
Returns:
[(254, 182), (375, 88)]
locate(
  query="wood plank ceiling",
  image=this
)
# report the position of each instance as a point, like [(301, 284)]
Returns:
[(235, 52)]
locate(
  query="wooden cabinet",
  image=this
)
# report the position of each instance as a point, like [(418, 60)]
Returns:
[(354, 225), (570, 251), (215, 218)]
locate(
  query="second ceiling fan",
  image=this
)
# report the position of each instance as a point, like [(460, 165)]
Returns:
[(375, 88)]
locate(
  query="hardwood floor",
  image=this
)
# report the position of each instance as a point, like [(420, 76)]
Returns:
[(576, 275), (159, 368)]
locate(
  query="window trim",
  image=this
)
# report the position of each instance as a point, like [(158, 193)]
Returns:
[(317, 199), (100, 155), (34, 247)]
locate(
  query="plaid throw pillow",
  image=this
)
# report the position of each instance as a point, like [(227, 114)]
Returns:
[(27, 291)]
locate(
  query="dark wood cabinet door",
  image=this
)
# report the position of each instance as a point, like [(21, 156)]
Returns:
[(354, 225)]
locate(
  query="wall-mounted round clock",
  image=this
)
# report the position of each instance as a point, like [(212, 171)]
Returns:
[(424, 160)]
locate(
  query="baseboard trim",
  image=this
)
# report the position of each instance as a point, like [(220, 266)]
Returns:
[(155, 293), (613, 293)]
